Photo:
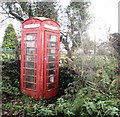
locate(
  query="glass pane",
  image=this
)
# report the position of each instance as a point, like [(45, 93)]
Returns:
[(29, 78), (51, 58), (30, 86), (30, 36), (52, 38), (51, 65), (30, 43), (29, 64), (52, 51), (30, 50), (29, 71), (51, 86), (29, 58), (51, 72), (51, 79), (52, 44)]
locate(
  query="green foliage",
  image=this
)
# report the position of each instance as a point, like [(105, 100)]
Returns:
[(6, 57), (87, 102), (100, 109), (77, 100), (97, 71), (8, 87), (37, 108), (10, 39), (81, 8), (77, 22), (66, 76), (84, 80), (68, 85), (98, 105), (45, 9), (11, 78), (87, 45), (63, 108), (115, 42), (7, 54)]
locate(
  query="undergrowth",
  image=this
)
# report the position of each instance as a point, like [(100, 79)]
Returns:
[(73, 100)]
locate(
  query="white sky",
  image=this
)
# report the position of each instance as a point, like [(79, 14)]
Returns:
[(104, 13), (106, 16)]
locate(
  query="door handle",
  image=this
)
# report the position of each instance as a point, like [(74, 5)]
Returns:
[(44, 59)]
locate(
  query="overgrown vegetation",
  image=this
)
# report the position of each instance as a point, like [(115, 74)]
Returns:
[(11, 78), (97, 96), (89, 75)]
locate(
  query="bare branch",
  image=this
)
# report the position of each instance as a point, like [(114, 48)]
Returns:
[(10, 14), (15, 15), (63, 34), (6, 12)]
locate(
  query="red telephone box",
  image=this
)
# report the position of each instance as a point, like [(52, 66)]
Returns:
[(40, 57)]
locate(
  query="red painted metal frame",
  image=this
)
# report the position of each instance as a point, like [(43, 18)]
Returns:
[(51, 92), (41, 53)]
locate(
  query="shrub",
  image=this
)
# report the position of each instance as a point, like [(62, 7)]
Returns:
[(98, 105), (11, 78)]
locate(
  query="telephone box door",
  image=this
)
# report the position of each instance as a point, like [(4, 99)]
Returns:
[(51, 64), (29, 62)]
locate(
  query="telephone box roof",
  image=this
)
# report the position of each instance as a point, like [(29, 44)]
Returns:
[(41, 19)]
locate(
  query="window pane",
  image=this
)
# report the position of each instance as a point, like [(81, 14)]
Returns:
[(29, 78), (30, 86), (51, 86), (29, 58), (30, 43), (52, 38), (52, 44), (51, 58), (51, 79), (51, 72), (29, 64), (51, 65), (29, 72), (52, 51), (30, 50), (30, 36)]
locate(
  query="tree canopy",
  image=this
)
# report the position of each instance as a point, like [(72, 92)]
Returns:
[(10, 38), (115, 41), (22, 10), (78, 20)]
